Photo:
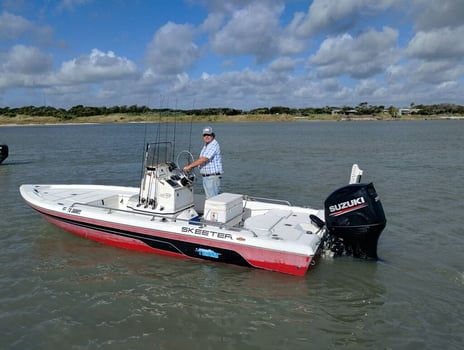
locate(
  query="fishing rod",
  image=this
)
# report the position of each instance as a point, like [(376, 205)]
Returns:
[(191, 126)]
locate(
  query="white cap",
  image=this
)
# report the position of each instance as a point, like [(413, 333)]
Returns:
[(207, 131)]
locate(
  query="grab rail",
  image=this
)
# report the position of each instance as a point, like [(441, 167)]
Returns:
[(201, 223), (268, 200), (133, 211)]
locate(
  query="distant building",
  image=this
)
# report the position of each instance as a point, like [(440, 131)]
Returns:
[(407, 111), (344, 112)]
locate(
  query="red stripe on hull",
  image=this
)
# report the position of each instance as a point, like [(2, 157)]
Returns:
[(102, 237), (298, 268), (257, 257)]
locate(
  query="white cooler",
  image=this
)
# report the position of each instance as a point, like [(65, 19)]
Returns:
[(226, 208)]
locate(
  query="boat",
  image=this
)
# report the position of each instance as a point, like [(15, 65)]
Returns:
[(3, 153), (164, 215)]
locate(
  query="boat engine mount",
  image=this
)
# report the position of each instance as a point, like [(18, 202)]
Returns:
[(354, 219)]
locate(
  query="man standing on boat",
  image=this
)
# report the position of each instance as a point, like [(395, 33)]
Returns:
[(210, 163)]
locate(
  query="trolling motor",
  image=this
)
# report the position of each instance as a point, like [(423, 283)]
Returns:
[(354, 219)]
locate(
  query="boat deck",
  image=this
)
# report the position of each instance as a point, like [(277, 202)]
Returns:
[(261, 220)]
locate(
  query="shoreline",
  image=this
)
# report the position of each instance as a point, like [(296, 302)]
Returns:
[(24, 120)]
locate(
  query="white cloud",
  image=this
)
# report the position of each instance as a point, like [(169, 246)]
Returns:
[(360, 57), (97, 66), (172, 50), (212, 23), (283, 64), (24, 66), (71, 4), (437, 71), (180, 83), (236, 88), (26, 60), (252, 30), (335, 16), (438, 14), (440, 43), (13, 27)]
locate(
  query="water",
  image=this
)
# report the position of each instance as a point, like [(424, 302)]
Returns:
[(61, 291)]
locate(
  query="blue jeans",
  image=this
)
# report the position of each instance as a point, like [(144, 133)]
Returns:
[(212, 185)]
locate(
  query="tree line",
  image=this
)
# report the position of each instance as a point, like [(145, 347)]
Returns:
[(362, 109)]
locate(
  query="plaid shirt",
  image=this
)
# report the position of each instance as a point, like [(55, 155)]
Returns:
[(212, 151)]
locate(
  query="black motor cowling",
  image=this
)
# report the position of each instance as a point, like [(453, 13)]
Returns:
[(354, 219)]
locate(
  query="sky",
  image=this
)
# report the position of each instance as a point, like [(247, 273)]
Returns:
[(242, 54)]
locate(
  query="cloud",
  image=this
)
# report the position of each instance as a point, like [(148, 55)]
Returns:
[(212, 23), (13, 27), (251, 30), (71, 4), (26, 60), (440, 43), (361, 57), (24, 66), (244, 87), (432, 14), (335, 16), (436, 56), (97, 66), (283, 64), (437, 71), (172, 50)]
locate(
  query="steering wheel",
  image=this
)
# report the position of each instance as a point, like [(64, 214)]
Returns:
[(185, 158)]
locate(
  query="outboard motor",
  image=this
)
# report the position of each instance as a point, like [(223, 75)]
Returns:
[(3, 153), (354, 219)]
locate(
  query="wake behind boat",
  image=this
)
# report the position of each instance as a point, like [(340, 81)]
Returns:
[(164, 216)]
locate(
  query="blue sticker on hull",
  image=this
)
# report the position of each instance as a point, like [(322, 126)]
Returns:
[(207, 253)]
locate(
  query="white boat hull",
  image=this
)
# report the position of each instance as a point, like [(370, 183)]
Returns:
[(269, 236)]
